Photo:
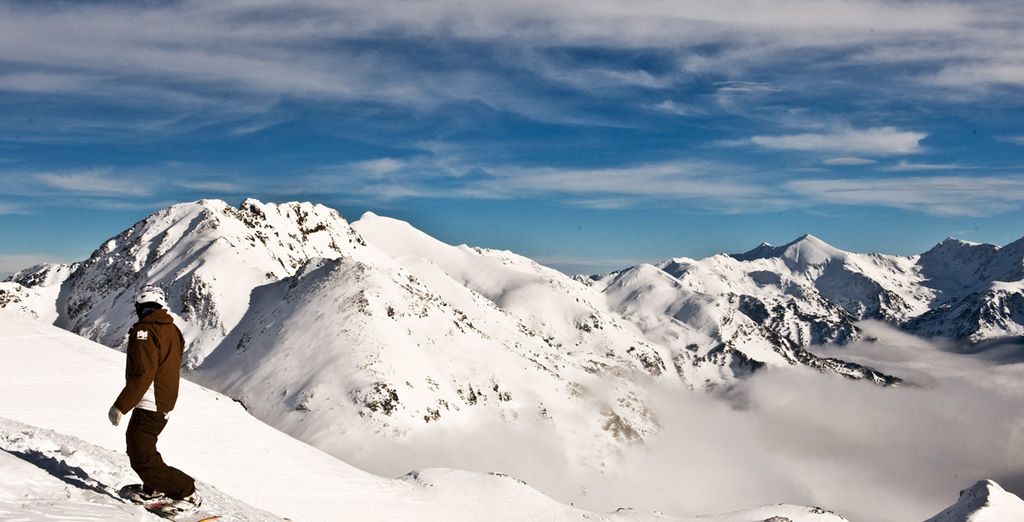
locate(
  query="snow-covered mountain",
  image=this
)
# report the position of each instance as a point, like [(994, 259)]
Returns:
[(61, 459), (764, 305), (207, 256), (35, 294), (985, 501), (289, 310), (979, 291)]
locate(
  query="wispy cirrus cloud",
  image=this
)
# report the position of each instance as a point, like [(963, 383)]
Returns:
[(710, 185), (679, 109), (92, 182), (117, 188), (11, 208), (879, 141), (848, 161), (224, 187), (906, 166), (937, 195), (413, 55)]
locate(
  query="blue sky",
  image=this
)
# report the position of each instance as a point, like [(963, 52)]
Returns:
[(586, 134)]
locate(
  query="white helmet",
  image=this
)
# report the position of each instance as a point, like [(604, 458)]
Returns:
[(152, 294)]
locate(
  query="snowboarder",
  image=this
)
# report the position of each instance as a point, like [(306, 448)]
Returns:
[(155, 346)]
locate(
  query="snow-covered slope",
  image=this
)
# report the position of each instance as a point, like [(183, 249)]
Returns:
[(417, 334), (348, 347), (985, 501), (563, 312), (67, 478), (60, 457)]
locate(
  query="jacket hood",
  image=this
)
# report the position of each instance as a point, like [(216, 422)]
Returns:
[(159, 316)]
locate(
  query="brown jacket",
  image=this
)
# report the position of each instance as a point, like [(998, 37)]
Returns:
[(155, 346)]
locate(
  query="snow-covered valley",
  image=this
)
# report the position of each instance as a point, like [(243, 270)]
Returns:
[(783, 374)]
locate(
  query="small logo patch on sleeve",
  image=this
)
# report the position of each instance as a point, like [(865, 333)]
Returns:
[(142, 335)]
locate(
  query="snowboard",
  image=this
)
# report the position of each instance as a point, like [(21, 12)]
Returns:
[(158, 507)]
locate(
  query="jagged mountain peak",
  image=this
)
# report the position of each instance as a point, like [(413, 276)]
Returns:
[(207, 255)]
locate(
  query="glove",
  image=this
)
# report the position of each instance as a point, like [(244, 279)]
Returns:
[(114, 415)]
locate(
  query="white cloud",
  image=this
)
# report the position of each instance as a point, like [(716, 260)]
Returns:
[(93, 182), (847, 161), (906, 166), (11, 208), (198, 48), (445, 173), (881, 141), (1019, 140), (938, 195), (676, 108), (705, 184), (743, 87), (377, 167), (981, 74)]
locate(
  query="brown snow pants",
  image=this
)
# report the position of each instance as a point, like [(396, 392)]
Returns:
[(143, 429)]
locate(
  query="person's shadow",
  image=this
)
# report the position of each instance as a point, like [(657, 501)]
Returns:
[(72, 475)]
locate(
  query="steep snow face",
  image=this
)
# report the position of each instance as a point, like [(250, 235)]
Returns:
[(61, 459), (985, 501), (207, 256)]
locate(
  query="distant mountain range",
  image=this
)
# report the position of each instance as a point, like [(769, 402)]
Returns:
[(318, 325)]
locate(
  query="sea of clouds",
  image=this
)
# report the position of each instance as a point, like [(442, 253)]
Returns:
[(787, 435)]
